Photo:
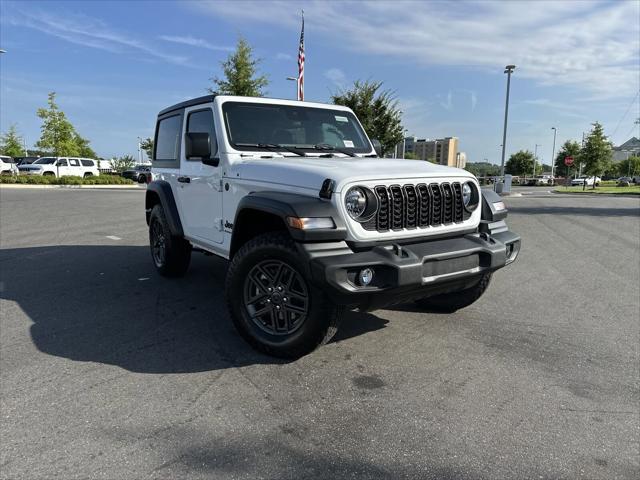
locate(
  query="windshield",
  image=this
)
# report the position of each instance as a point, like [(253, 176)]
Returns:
[(250, 124), (45, 160)]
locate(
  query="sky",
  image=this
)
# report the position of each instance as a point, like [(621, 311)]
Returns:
[(115, 64)]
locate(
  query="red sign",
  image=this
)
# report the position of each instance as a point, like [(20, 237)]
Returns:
[(568, 161)]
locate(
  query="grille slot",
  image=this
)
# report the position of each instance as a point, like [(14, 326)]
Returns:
[(416, 206)]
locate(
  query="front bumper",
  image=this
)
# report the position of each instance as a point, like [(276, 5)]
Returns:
[(409, 270)]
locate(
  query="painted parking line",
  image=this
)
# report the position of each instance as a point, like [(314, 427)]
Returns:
[(113, 237)]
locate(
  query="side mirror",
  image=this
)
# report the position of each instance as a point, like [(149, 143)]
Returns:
[(377, 146), (198, 145)]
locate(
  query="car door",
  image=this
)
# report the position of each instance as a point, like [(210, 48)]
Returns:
[(200, 185), (75, 168), (62, 167)]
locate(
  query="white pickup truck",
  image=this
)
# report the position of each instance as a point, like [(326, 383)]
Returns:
[(61, 166), (312, 219)]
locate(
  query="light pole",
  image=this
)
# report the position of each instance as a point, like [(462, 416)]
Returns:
[(535, 158), (508, 70), (553, 152), (294, 79), (139, 150)]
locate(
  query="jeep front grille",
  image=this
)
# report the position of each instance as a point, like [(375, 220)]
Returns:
[(416, 206)]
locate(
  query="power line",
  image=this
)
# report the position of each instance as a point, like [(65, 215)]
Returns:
[(625, 114), (636, 124)]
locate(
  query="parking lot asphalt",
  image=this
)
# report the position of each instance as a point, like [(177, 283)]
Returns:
[(109, 371)]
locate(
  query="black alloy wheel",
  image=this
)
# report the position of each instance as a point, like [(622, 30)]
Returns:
[(276, 297)]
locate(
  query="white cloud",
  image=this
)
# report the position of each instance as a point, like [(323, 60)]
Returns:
[(590, 45), (448, 104), (336, 76), (89, 32), (195, 42)]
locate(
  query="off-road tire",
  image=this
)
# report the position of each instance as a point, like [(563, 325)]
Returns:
[(450, 302), (174, 259), (321, 319)]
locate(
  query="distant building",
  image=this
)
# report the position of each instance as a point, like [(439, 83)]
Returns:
[(628, 149), (408, 144), (443, 151)]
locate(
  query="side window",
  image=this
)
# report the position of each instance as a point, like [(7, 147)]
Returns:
[(88, 163), (62, 163), (167, 144), (74, 162), (201, 121)]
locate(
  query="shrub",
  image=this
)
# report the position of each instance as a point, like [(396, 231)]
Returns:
[(66, 180)]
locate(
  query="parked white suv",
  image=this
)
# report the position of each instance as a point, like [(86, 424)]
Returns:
[(312, 220), (7, 166), (61, 166), (584, 179)]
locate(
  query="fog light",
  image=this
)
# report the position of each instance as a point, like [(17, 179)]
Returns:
[(365, 276)]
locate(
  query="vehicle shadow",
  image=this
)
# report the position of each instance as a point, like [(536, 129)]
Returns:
[(106, 304)]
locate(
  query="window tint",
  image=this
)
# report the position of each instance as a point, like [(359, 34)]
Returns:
[(88, 163), (168, 138), (62, 163), (74, 162)]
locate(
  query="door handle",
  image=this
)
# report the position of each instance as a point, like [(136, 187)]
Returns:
[(184, 179)]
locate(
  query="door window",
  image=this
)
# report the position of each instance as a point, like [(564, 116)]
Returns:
[(167, 144), (62, 163), (201, 121), (74, 162)]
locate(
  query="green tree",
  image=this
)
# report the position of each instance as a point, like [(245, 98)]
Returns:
[(84, 150), (120, 164), (11, 143), (376, 109), (629, 167), (520, 163), (596, 153), (569, 148), (483, 169), (240, 70), (58, 135), (410, 156), (147, 146)]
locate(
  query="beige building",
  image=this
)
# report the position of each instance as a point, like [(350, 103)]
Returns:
[(443, 151)]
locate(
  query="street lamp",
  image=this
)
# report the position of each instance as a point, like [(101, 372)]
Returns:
[(553, 152), (508, 70), (294, 79), (535, 158), (139, 150)]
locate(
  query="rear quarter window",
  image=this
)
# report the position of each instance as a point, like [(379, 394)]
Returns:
[(88, 163)]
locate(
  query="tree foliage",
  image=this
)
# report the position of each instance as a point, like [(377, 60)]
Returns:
[(240, 74), (376, 109), (11, 143), (483, 169), (520, 163), (58, 136), (629, 167), (570, 148), (120, 164), (596, 153), (147, 146)]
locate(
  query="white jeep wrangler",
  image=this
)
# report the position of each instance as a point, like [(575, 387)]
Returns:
[(312, 220)]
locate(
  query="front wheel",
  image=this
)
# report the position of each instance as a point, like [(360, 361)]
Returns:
[(171, 255), (450, 302), (273, 305)]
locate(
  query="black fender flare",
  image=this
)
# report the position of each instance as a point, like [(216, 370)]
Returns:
[(489, 213), (162, 190), (283, 205)]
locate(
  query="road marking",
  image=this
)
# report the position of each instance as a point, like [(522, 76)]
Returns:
[(142, 279), (113, 237)]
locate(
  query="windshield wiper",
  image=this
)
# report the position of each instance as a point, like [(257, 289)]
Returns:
[(273, 147), (326, 146)]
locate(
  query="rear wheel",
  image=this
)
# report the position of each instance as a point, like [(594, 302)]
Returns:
[(88, 174), (450, 302), (272, 302), (171, 254), (49, 174)]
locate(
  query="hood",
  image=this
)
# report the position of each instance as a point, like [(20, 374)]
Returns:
[(310, 172)]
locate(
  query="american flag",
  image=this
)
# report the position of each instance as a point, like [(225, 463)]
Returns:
[(301, 63)]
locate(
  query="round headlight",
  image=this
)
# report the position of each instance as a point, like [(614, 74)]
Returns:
[(356, 202), (466, 194)]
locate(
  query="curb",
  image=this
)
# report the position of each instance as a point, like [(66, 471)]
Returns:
[(73, 187), (580, 194)]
